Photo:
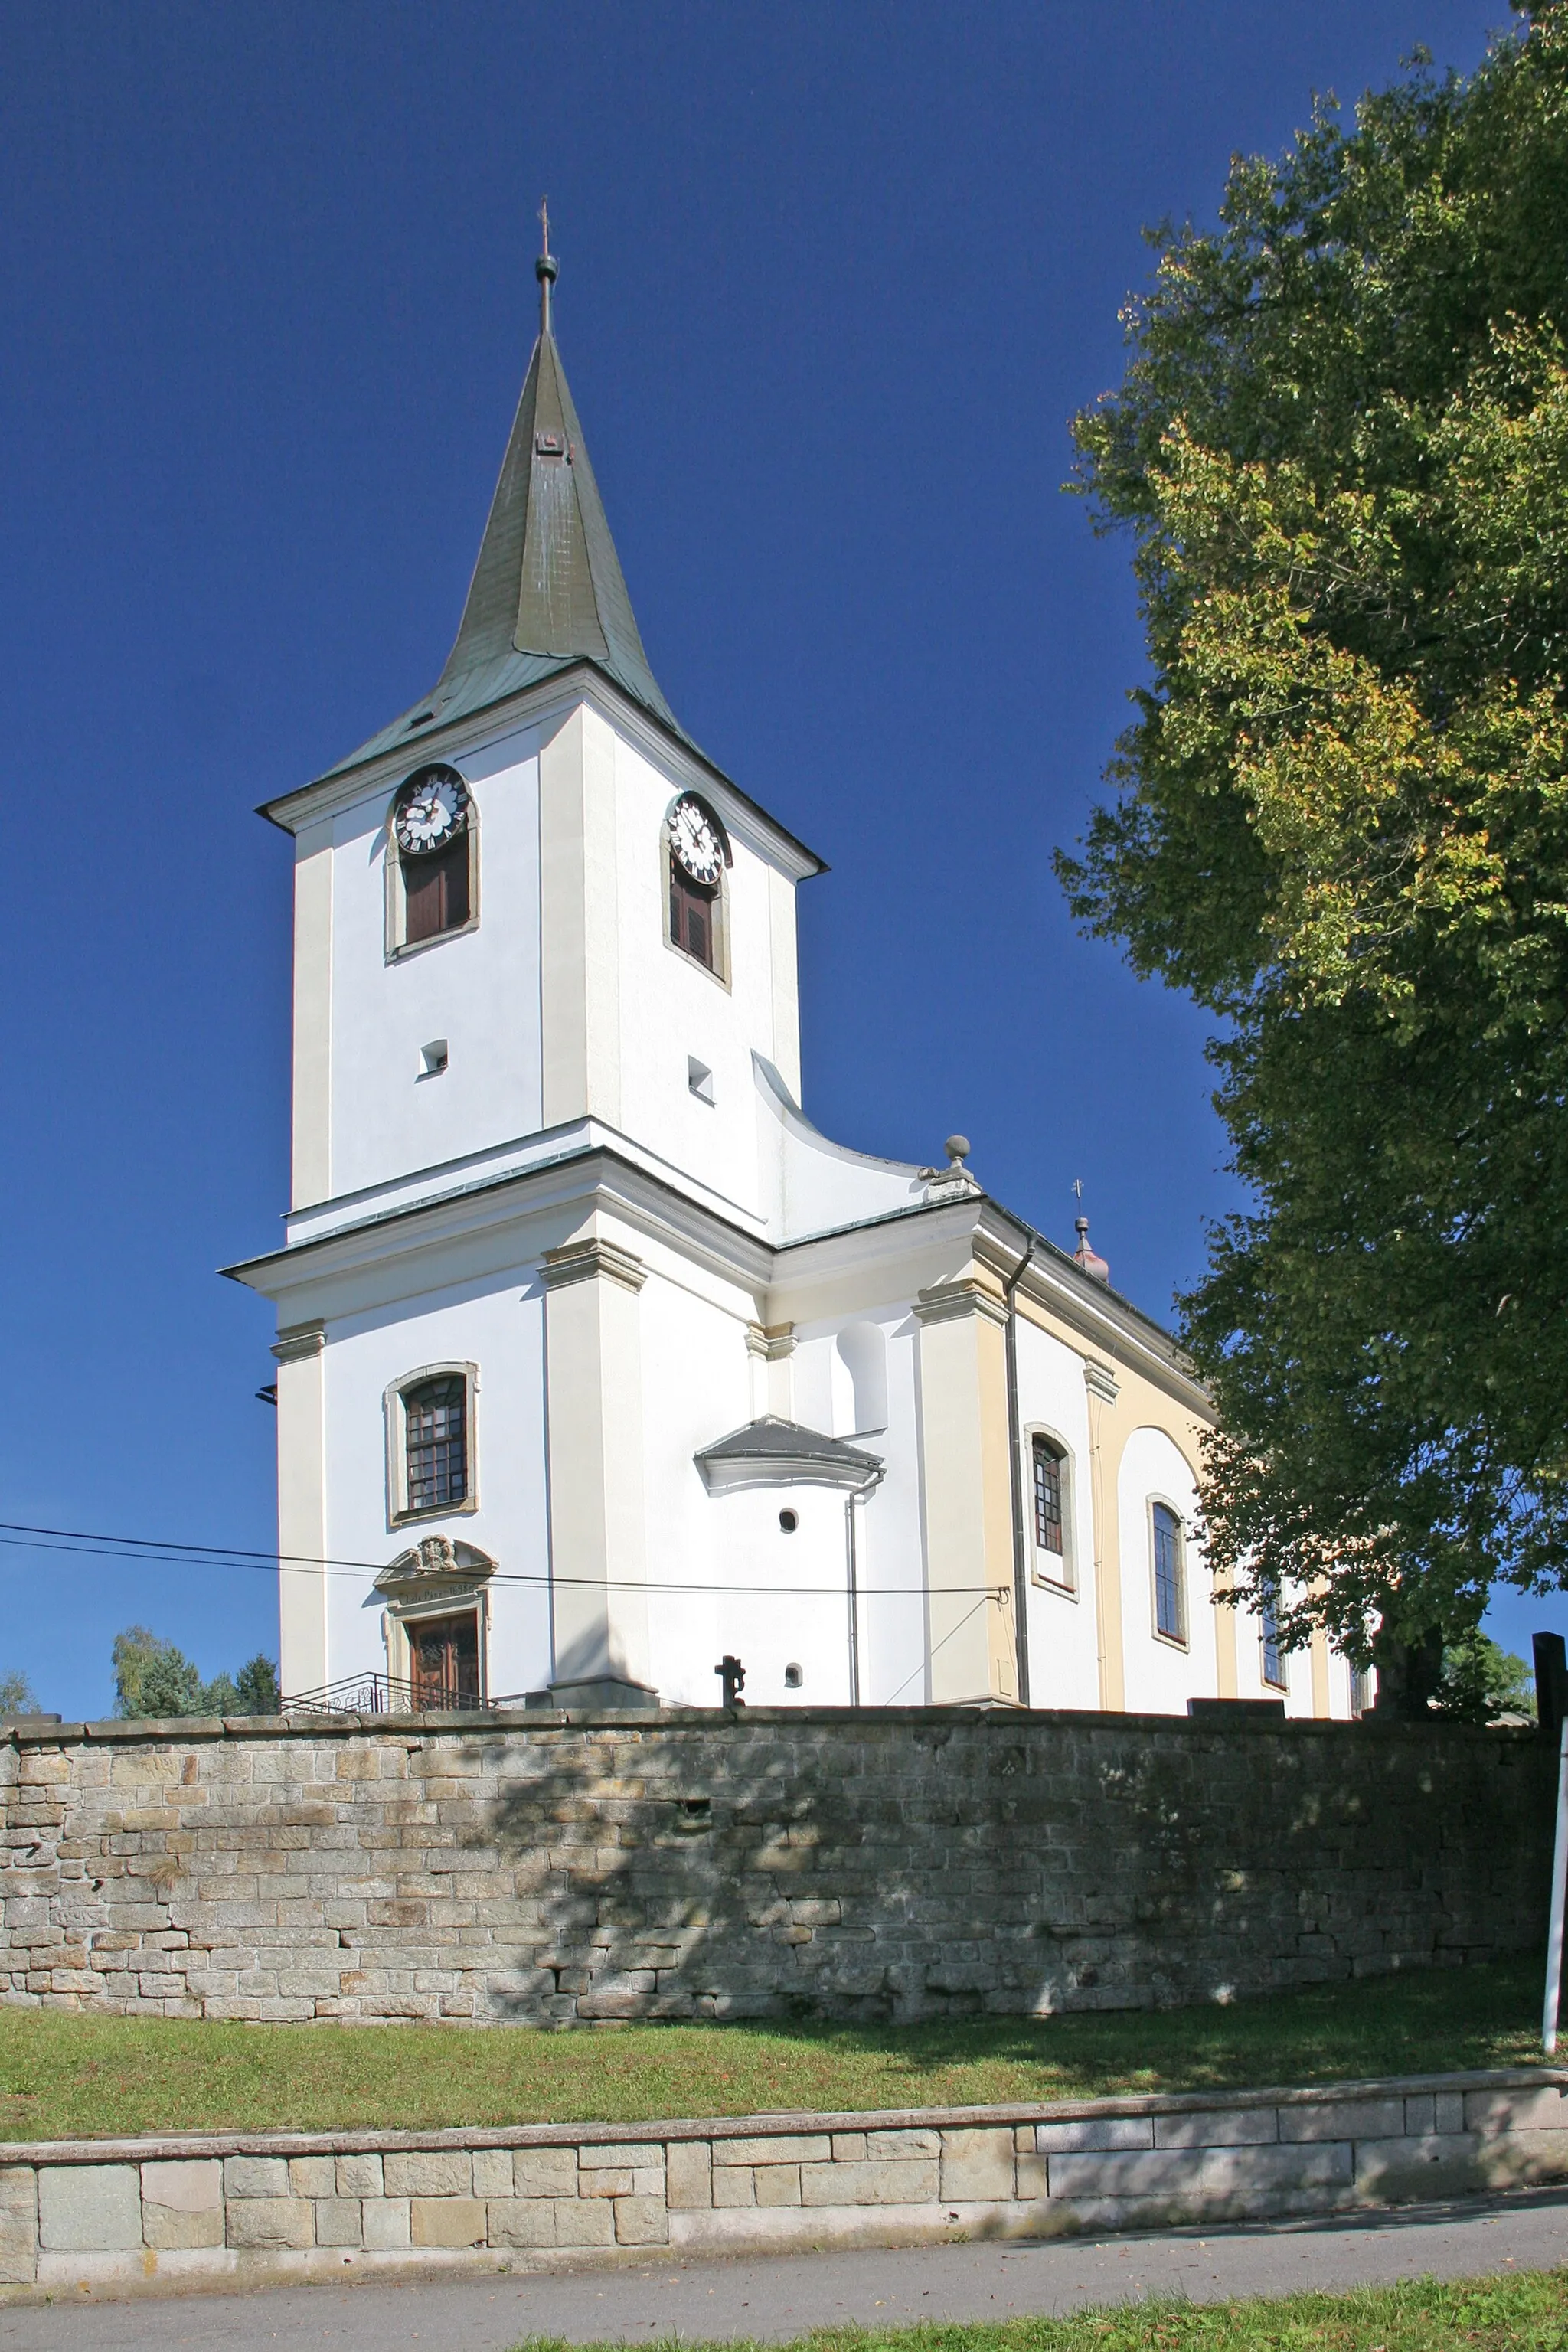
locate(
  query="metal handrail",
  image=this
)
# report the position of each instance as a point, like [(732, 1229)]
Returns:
[(379, 1693)]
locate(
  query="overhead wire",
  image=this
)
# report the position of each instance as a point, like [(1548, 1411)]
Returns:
[(154, 1550)]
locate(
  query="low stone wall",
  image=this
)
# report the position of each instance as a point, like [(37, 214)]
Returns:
[(885, 1863), (162, 2216)]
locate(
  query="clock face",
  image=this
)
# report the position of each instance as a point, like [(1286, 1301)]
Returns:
[(431, 807), (694, 842)]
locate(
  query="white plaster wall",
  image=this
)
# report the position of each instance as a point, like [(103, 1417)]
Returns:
[(672, 1009), (1159, 1676), (797, 1611), (497, 1324), (480, 990), (772, 1598), (769, 1597), (891, 1540), (809, 1184), (695, 1387), (892, 1563), (1064, 1660)]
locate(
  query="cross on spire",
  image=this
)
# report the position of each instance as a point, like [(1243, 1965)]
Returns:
[(546, 270)]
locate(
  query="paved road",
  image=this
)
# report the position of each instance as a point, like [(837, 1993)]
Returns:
[(782, 2297)]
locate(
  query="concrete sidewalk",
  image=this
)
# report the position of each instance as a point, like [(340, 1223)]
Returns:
[(783, 2298)]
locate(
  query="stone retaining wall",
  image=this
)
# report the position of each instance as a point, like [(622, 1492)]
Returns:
[(165, 2215), (900, 1862)]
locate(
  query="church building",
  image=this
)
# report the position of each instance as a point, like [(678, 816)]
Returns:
[(602, 1375)]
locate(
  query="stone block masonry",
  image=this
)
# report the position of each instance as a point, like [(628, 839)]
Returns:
[(900, 1864), (164, 2216)]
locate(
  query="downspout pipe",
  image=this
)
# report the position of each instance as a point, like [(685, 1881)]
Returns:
[(1016, 1462), (852, 1501)]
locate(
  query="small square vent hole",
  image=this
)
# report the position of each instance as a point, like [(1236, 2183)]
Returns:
[(433, 1058), (699, 1079)]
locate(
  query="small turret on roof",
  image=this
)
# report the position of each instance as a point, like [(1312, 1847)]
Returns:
[(1090, 1259)]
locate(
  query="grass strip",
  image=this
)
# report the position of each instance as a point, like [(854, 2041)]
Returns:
[(1523, 2313), (68, 2075)]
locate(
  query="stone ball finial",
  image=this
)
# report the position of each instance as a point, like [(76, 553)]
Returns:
[(957, 1148)]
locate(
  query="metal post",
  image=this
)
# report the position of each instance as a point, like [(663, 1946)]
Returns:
[(1559, 1888)]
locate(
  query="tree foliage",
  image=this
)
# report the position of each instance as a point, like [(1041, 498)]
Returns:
[(1482, 1681), (255, 1686), (1341, 823), (18, 1696), (154, 1679)]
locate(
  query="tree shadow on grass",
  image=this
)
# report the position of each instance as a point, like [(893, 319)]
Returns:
[(925, 1897), (1434, 2022)]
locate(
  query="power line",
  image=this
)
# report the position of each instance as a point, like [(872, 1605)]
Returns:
[(156, 1551)]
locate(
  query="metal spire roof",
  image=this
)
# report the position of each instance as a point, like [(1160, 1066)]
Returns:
[(547, 591)]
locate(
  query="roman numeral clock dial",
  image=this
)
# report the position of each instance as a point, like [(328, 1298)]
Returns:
[(433, 807), (694, 843)]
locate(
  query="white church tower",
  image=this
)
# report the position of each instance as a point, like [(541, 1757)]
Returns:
[(597, 1364)]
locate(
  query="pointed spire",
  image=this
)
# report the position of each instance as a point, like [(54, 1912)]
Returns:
[(548, 581), (547, 591)]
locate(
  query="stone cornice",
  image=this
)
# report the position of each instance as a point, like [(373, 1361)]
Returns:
[(586, 1261), (945, 1302), (34, 1731), (572, 1184), (770, 1342), (661, 1208), (295, 1341)]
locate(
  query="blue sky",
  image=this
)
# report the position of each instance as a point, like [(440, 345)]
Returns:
[(834, 278)]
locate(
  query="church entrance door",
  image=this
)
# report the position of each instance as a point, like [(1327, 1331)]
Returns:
[(444, 1657)]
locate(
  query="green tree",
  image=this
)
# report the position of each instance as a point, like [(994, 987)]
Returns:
[(154, 1678), (18, 1696), (1341, 823), (1482, 1680), (255, 1687)]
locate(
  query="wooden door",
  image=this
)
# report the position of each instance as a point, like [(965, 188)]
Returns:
[(443, 1661)]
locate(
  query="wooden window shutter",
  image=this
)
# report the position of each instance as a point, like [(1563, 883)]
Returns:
[(691, 916), (435, 891)]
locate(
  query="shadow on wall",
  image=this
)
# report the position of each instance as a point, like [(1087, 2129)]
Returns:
[(906, 1867)]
